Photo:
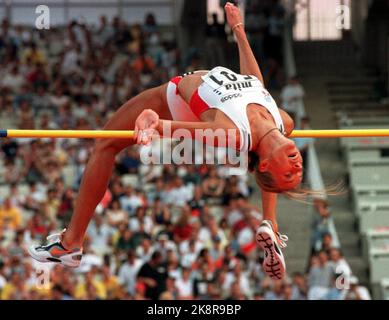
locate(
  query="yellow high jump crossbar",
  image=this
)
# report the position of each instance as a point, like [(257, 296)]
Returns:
[(128, 134)]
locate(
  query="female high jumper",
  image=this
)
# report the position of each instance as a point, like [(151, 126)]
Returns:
[(194, 102)]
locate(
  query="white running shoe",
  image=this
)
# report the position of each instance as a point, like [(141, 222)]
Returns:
[(272, 243), (56, 252)]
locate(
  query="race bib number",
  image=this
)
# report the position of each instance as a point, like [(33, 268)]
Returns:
[(224, 80)]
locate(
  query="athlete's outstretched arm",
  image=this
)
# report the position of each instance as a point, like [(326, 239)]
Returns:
[(249, 65), (148, 124), (269, 207), (247, 61)]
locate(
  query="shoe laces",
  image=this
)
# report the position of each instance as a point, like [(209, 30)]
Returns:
[(282, 239), (55, 237)]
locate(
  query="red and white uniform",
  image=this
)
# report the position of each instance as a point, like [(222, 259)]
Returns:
[(229, 92)]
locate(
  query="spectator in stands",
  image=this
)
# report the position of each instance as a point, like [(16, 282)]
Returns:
[(171, 287), (13, 80), (143, 64), (130, 162), (273, 291), (12, 172), (323, 227), (189, 250), (140, 291), (236, 292), (299, 287), (111, 283), (288, 292), (154, 275), (183, 227), (160, 212), (202, 279), (327, 242), (212, 185), (140, 234), (126, 239), (239, 277), (179, 194), (303, 145), (10, 149), (34, 54), (139, 219), (204, 258), (100, 234), (231, 191), (3, 280), (57, 293), (115, 214), (292, 96), (337, 291), (198, 202), (92, 288), (150, 26), (131, 200), (15, 289), (338, 264), (145, 250), (191, 175), (356, 291), (128, 272), (320, 275), (184, 285), (211, 232), (164, 244), (10, 216)]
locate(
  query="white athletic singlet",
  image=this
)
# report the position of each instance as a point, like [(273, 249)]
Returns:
[(230, 92)]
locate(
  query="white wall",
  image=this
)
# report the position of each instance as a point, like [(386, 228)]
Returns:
[(62, 11), (316, 19)]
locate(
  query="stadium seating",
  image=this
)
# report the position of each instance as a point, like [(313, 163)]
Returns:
[(130, 180), (368, 168), (370, 218), (375, 238), (379, 264), (385, 288)]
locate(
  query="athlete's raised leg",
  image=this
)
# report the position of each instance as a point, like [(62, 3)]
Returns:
[(97, 174), (100, 165)]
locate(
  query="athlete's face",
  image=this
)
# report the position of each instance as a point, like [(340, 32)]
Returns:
[(285, 166)]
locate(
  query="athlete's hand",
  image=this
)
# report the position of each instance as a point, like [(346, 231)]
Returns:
[(145, 127), (233, 14)]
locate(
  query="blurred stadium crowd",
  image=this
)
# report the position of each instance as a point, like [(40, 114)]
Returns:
[(160, 232)]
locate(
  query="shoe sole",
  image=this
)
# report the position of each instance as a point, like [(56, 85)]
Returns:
[(52, 259), (275, 268)]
